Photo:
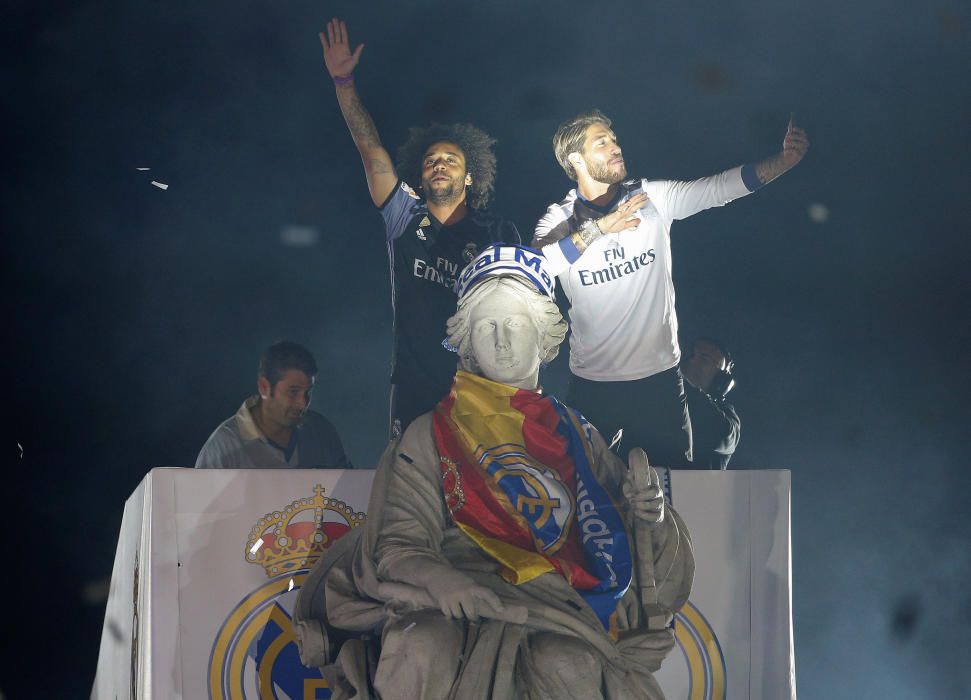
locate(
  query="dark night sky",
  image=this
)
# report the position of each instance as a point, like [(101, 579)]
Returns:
[(136, 315)]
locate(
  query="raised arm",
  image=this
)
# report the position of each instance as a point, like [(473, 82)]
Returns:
[(340, 62)]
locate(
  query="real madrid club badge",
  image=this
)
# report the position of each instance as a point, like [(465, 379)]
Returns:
[(410, 192), (255, 654), (470, 251)]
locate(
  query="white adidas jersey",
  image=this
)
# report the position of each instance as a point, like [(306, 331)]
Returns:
[(622, 317)]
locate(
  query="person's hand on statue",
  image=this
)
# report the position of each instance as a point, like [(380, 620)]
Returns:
[(338, 58), (459, 596), (624, 217), (642, 488)]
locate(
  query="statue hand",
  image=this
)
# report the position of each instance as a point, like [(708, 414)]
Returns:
[(642, 488), (459, 597)]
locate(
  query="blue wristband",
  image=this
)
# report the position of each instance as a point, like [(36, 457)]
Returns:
[(751, 178)]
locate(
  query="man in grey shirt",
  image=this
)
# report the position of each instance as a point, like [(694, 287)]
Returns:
[(274, 429)]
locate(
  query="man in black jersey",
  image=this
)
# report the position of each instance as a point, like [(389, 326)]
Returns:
[(433, 230)]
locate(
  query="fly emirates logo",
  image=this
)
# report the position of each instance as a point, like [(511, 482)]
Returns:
[(444, 272), (617, 266)]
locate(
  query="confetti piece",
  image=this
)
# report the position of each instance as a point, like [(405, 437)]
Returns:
[(290, 587), (143, 169), (21, 450), (160, 185), (256, 546), (410, 626), (617, 438)]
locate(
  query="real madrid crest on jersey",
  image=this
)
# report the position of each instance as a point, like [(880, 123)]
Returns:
[(470, 251), (411, 193)]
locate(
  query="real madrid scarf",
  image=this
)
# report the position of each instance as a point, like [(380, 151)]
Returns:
[(517, 477)]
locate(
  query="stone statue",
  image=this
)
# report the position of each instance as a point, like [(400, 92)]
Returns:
[(508, 552)]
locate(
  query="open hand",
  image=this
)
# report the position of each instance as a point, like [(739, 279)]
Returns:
[(624, 217), (642, 488), (795, 144), (459, 597), (338, 58)]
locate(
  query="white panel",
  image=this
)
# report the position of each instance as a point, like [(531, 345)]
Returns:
[(113, 678), (204, 606)]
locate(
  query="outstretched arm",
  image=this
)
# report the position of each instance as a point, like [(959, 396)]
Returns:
[(679, 199), (340, 62)]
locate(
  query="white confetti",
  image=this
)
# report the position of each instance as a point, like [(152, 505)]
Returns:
[(143, 169), (290, 587), (617, 438), (256, 546), (410, 626), (160, 185), (818, 213), (21, 450)]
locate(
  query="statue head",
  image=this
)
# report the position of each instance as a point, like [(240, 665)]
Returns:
[(506, 324)]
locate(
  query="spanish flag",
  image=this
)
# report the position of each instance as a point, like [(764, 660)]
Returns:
[(517, 479)]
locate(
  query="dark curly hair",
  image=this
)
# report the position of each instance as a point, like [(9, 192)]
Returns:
[(476, 145)]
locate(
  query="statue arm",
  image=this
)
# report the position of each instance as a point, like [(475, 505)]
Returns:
[(413, 515), (665, 568), (413, 522)]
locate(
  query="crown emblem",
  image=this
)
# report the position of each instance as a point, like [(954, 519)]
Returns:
[(295, 537)]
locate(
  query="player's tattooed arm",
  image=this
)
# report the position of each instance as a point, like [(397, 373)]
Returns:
[(794, 147), (363, 131), (341, 62), (623, 218)]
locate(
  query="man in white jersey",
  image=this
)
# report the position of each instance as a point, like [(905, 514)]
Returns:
[(609, 243)]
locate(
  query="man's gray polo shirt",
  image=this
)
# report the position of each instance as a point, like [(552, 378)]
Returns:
[(239, 444)]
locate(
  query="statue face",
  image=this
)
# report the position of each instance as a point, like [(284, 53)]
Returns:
[(504, 339)]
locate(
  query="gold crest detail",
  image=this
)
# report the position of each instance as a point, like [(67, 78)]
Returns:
[(295, 537)]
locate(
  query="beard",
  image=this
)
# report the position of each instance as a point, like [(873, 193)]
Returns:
[(603, 173), (292, 419), (441, 193)]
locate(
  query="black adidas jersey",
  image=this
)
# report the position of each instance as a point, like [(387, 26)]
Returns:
[(426, 259)]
